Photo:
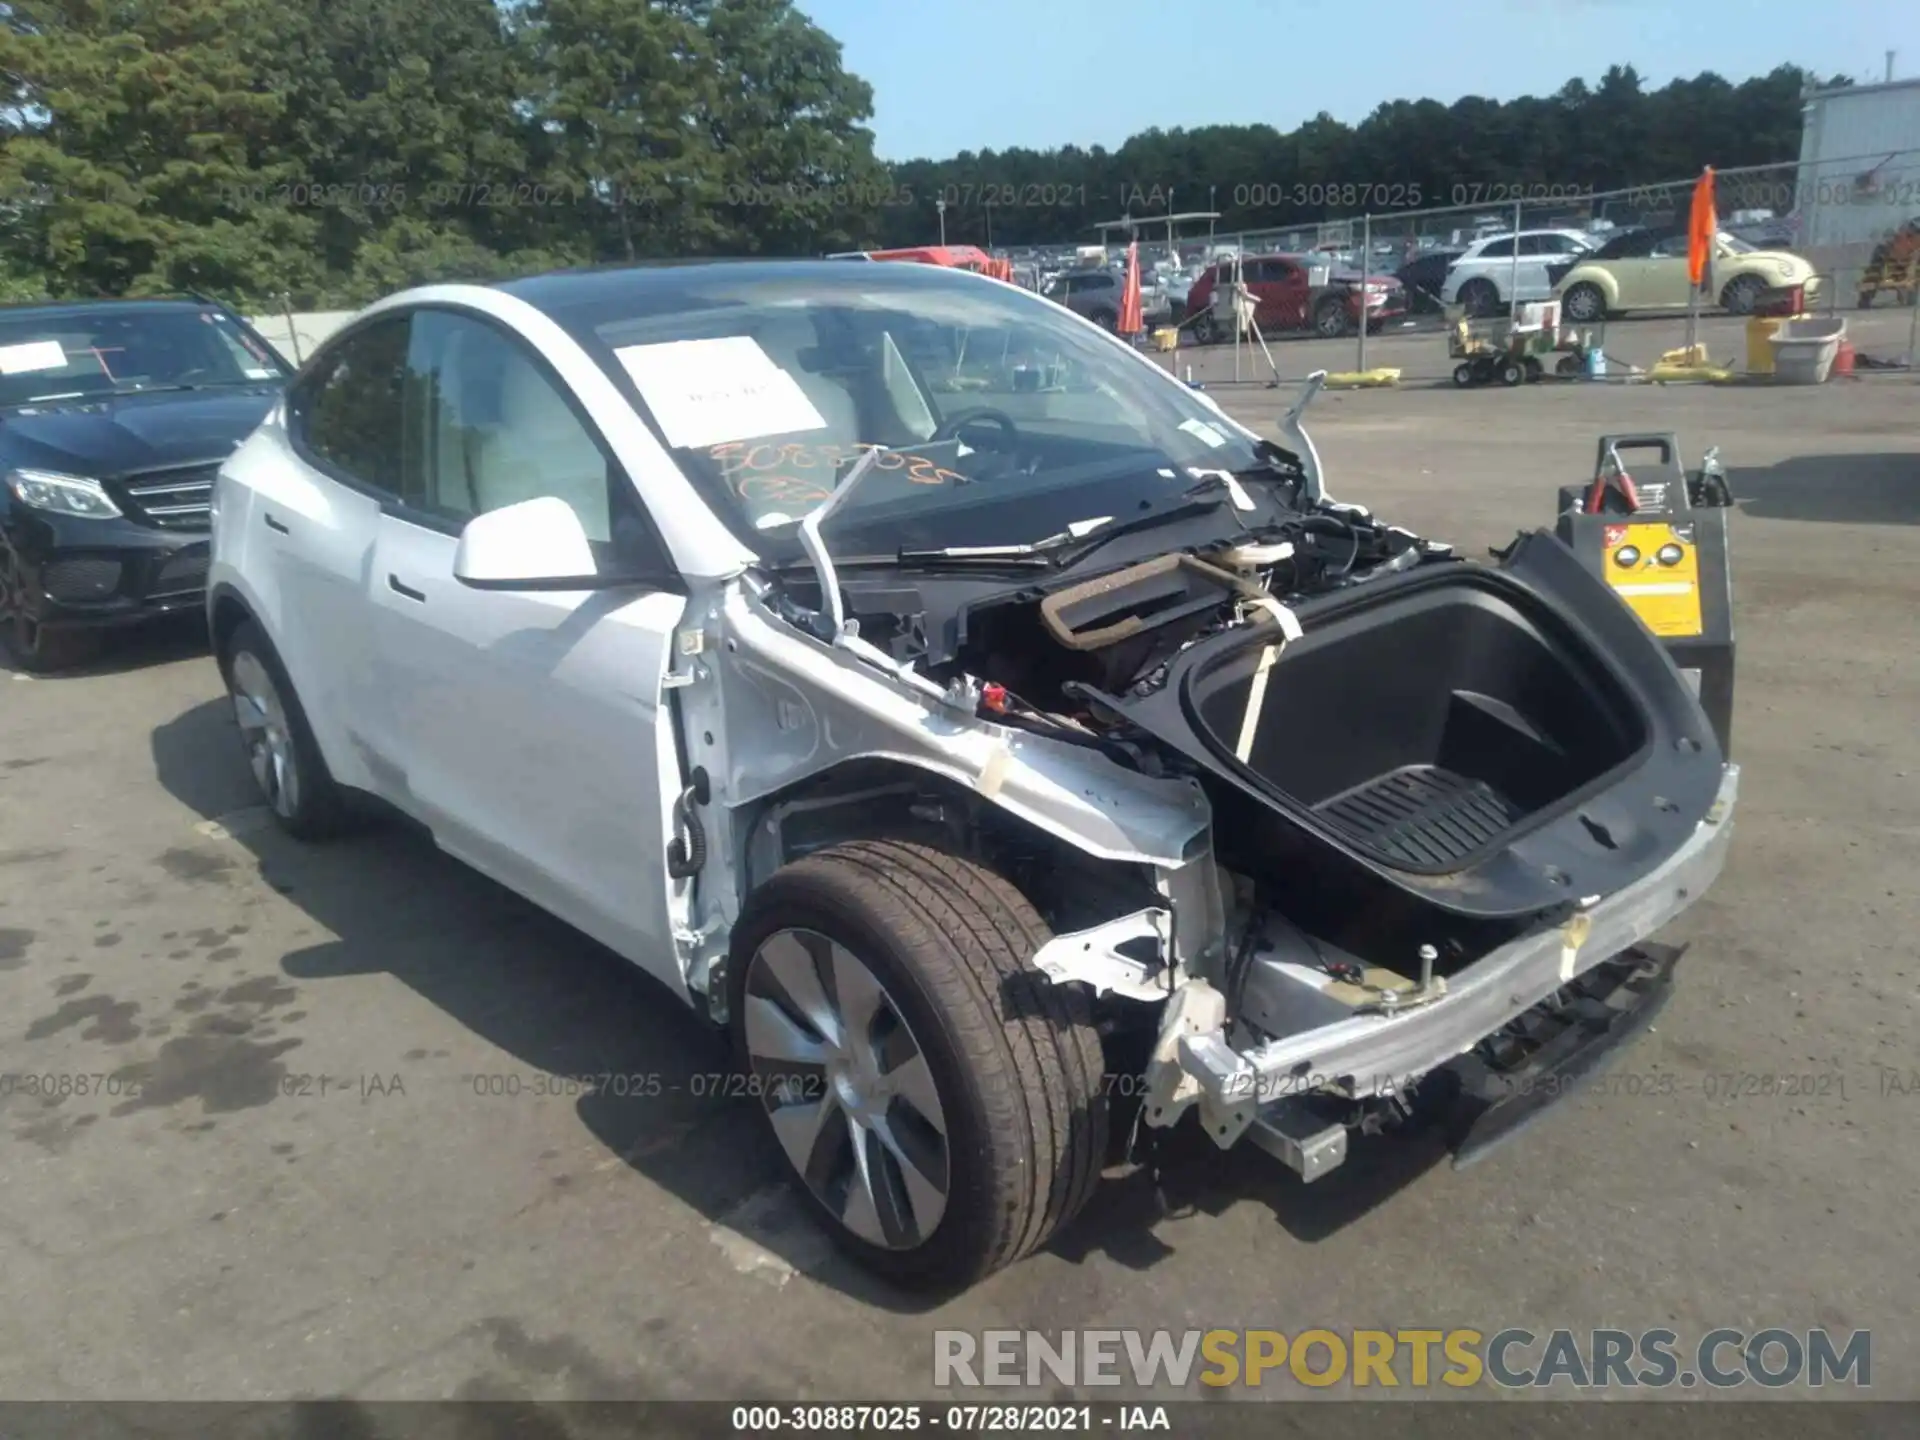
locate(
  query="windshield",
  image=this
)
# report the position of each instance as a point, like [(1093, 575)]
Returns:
[(83, 353), (1000, 418)]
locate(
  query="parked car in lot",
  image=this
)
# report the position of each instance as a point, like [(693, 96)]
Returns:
[(1483, 280), (1286, 298), (114, 416), (1646, 269), (1424, 277), (1092, 293), (911, 719)]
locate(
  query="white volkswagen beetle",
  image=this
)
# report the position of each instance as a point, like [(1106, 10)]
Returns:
[(989, 731)]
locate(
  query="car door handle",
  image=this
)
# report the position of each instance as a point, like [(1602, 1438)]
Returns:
[(274, 525), (394, 584)]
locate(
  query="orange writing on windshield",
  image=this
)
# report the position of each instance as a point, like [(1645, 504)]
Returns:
[(743, 464)]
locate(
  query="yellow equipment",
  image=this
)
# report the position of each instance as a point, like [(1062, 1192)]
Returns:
[(1659, 540)]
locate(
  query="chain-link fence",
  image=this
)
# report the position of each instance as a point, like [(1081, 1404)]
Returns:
[(1855, 220)]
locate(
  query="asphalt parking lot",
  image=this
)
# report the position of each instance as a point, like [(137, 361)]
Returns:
[(345, 1168)]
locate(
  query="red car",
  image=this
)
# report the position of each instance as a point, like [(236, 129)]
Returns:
[(1287, 302)]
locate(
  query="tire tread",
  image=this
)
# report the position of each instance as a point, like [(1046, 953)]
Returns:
[(1032, 1053)]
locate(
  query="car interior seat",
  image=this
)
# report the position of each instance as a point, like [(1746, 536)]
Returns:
[(517, 439)]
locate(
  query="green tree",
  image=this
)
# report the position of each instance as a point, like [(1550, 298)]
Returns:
[(128, 148)]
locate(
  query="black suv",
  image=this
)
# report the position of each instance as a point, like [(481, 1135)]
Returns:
[(114, 418)]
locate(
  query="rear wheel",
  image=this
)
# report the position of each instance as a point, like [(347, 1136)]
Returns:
[(36, 648), (1463, 375), (939, 1100), (1479, 298), (1512, 372), (281, 752), (1105, 319), (1738, 298), (1584, 303), (1205, 332)]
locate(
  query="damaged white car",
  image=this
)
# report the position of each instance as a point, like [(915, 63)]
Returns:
[(986, 728)]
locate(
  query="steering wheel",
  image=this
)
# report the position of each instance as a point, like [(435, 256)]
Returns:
[(951, 427)]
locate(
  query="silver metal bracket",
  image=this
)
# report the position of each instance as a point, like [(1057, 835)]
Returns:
[(1093, 956)]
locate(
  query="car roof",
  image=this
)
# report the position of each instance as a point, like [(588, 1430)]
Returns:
[(1522, 234), (577, 294), (105, 302)]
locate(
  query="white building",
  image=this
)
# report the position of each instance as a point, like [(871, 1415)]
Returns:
[(1859, 175)]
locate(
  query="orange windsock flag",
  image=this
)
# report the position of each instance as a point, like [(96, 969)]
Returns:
[(1131, 322), (1702, 228)]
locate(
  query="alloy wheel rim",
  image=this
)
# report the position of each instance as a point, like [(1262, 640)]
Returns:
[(265, 733), (1580, 305), (848, 1089)]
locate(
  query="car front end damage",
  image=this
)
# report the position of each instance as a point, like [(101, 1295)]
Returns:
[(1333, 828)]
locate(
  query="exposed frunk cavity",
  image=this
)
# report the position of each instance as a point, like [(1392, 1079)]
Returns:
[(1422, 732)]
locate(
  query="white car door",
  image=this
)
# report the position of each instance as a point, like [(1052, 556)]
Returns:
[(313, 491), (532, 728)]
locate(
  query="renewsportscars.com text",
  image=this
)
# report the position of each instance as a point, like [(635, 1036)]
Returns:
[(1511, 1358)]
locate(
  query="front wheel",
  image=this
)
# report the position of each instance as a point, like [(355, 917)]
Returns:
[(36, 649), (939, 1100), (1331, 320), (287, 766), (1205, 331)]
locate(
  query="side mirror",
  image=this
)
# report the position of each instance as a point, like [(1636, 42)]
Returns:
[(534, 545)]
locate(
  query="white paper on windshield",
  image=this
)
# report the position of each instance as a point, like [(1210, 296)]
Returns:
[(704, 392), (257, 372), (1204, 432), (34, 355)]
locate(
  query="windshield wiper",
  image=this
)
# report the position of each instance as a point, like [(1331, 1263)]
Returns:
[(1000, 554), (1193, 504)]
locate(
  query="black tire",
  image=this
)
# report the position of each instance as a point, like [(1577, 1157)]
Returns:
[(1480, 298), (1205, 331), (1463, 375), (1738, 297), (1567, 366), (1015, 1060), (36, 648), (1534, 369), (315, 807), (1331, 320), (1107, 320), (1584, 304), (1512, 372)]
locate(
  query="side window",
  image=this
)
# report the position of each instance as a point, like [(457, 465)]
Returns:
[(1535, 245), (487, 427), (1671, 246), (1496, 250), (347, 413)]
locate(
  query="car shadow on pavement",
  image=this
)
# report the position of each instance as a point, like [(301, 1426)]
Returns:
[(555, 1003), (651, 1079), (1877, 489)]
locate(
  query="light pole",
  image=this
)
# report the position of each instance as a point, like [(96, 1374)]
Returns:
[(1211, 207), (940, 206), (989, 225)]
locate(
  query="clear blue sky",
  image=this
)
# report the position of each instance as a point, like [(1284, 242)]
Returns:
[(952, 75)]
